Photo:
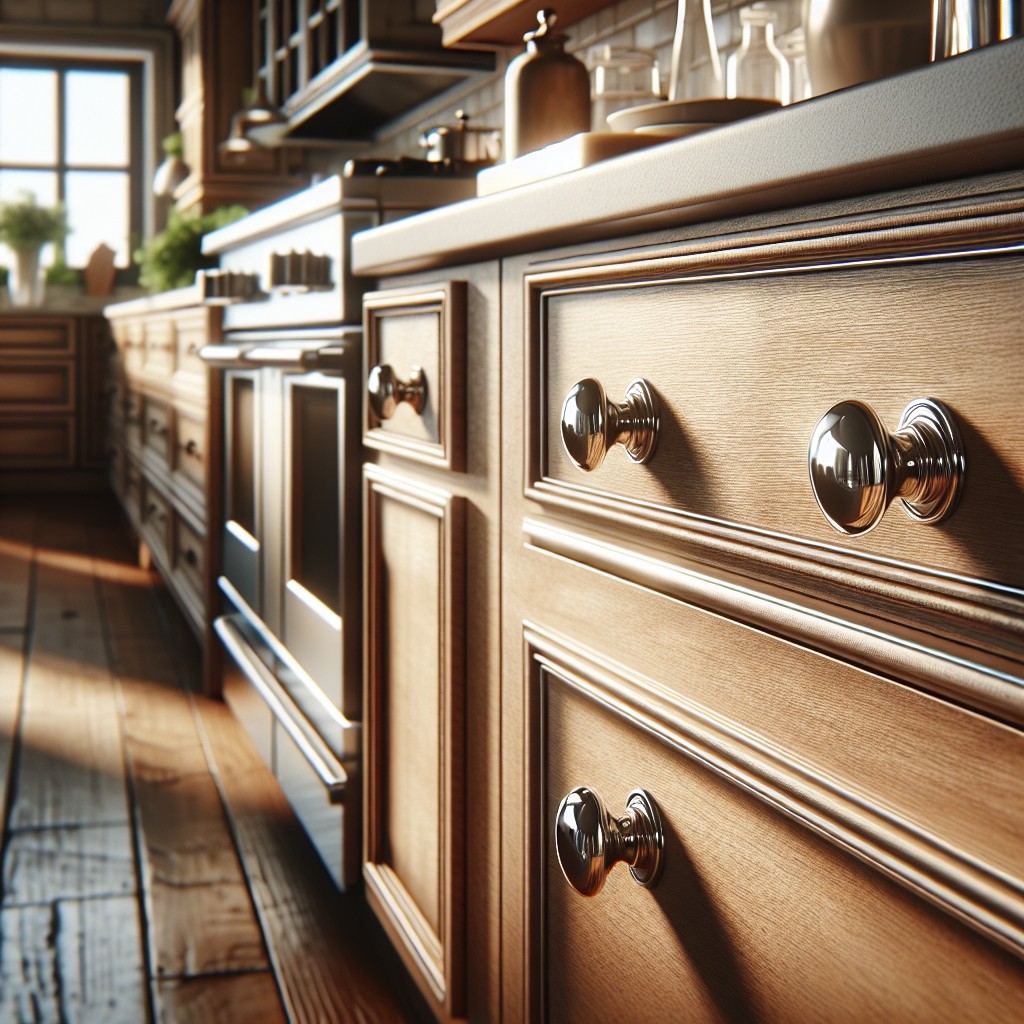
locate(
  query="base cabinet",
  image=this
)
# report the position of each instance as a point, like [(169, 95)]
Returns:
[(829, 726), (161, 424), (431, 577), (51, 401), (734, 764)]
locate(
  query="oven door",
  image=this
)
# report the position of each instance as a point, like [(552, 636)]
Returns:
[(243, 485), (320, 596)]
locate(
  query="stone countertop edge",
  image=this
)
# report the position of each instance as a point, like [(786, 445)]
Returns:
[(959, 117)]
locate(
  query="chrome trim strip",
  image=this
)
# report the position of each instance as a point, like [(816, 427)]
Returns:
[(329, 770), (351, 732)]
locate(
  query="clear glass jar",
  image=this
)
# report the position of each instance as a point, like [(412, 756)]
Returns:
[(622, 77), (793, 47), (757, 70)]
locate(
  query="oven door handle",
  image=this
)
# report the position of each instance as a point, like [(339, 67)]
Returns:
[(320, 758), (227, 356), (328, 358)]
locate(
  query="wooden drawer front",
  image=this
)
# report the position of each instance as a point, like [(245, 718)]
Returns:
[(756, 915), (156, 429), (744, 366), (190, 336), (130, 338), (28, 338), (414, 754), (190, 453), (156, 521), (133, 491), (37, 441), (424, 328), (159, 346), (134, 412), (189, 561), (43, 387)]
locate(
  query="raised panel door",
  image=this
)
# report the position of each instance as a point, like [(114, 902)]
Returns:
[(414, 842)]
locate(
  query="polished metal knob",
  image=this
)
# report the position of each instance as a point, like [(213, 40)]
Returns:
[(857, 467), (590, 842), (386, 390), (591, 424)]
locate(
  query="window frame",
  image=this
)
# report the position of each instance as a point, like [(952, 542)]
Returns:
[(63, 64)]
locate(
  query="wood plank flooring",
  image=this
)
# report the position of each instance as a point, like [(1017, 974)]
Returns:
[(152, 870)]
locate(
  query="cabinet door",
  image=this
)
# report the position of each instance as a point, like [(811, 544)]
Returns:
[(765, 907), (414, 727)]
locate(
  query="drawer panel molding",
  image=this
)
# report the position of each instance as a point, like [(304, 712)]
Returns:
[(972, 890), (728, 478), (415, 340), (991, 685), (415, 815)]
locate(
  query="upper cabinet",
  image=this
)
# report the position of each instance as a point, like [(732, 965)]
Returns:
[(501, 22), (340, 69), (216, 69)]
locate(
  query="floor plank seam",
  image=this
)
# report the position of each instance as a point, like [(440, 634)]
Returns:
[(14, 755), (65, 826), (129, 778), (254, 896)]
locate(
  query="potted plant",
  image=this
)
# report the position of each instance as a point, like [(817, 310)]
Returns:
[(171, 258), (26, 227)]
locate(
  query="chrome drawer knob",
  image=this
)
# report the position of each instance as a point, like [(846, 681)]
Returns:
[(591, 424), (857, 467), (386, 390), (590, 842)]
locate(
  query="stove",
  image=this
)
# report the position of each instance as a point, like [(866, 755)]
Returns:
[(290, 401)]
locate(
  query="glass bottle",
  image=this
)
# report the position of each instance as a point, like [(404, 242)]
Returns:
[(757, 69), (622, 77), (696, 72)]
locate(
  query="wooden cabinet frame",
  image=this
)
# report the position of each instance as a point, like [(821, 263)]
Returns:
[(435, 954)]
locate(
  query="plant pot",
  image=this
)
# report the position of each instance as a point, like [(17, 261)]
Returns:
[(25, 281)]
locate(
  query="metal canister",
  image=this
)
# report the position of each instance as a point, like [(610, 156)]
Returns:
[(547, 92)]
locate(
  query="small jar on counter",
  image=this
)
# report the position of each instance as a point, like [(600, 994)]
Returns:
[(547, 92)]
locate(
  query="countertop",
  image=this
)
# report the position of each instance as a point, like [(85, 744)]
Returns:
[(957, 118)]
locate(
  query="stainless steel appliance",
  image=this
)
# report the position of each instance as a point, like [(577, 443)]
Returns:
[(291, 538)]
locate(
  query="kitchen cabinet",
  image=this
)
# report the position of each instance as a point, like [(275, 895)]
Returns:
[(51, 400), (501, 22), (340, 69), (431, 569), (163, 464), (804, 744), (217, 67)]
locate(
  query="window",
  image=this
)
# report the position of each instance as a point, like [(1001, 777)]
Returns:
[(70, 132)]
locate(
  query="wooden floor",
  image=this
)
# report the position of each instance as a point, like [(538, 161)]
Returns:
[(151, 868)]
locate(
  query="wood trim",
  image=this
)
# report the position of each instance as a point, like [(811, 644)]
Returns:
[(994, 687), (974, 892), (957, 607), (448, 301), (436, 958)]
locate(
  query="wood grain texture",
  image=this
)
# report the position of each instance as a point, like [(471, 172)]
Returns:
[(70, 760), (330, 958), (199, 912), (415, 558), (73, 863), (250, 998), (426, 327), (748, 348), (74, 960), (749, 903), (795, 344), (16, 551)]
